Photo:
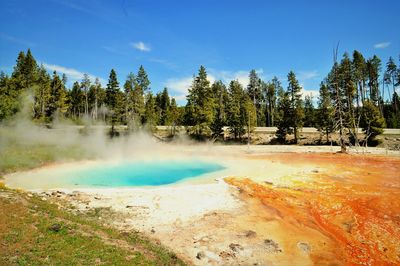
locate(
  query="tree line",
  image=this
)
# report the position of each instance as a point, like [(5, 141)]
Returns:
[(132, 104), (351, 96)]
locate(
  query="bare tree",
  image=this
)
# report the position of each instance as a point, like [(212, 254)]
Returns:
[(339, 112)]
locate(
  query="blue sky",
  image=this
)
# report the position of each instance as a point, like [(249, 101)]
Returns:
[(171, 39)]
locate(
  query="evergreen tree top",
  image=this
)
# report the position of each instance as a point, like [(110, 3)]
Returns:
[(142, 79), (391, 66), (85, 83), (173, 102), (201, 80), (254, 80), (18, 68), (130, 82), (293, 84), (112, 81), (202, 72)]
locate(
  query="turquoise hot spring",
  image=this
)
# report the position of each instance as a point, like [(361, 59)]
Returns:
[(136, 173)]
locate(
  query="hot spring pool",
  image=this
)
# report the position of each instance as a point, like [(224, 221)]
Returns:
[(114, 174), (153, 173)]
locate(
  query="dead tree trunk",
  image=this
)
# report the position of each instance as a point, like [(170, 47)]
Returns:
[(339, 106)]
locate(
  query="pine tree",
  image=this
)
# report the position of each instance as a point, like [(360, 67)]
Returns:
[(29, 70), (392, 120), (129, 88), (150, 115), (64, 79), (283, 116), (142, 79), (296, 110), (58, 98), (398, 75), (338, 93), (349, 87), (233, 115), (270, 90), (112, 90), (112, 99), (373, 123), (325, 113), (19, 66), (254, 91), (119, 110), (309, 111), (173, 116), (373, 70), (391, 78), (248, 115), (18, 76), (164, 106), (23, 80), (42, 94), (76, 101), (360, 76), (199, 107), (135, 102), (9, 103), (220, 96)]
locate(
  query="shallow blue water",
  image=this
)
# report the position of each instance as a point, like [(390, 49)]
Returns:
[(153, 173)]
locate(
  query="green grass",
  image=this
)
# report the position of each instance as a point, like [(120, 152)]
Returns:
[(16, 157), (26, 238)]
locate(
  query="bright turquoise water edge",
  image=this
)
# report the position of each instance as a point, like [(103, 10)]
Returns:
[(153, 173)]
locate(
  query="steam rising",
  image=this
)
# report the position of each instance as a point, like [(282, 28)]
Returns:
[(64, 141), (89, 141), (92, 140)]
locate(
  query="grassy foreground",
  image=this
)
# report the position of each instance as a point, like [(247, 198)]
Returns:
[(34, 231), (22, 157)]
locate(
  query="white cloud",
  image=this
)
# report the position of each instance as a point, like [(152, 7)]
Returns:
[(304, 77), (313, 93), (141, 46), (71, 73), (309, 92), (381, 45), (179, 87)]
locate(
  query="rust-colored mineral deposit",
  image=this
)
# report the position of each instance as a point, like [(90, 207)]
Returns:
[(354, 200)]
